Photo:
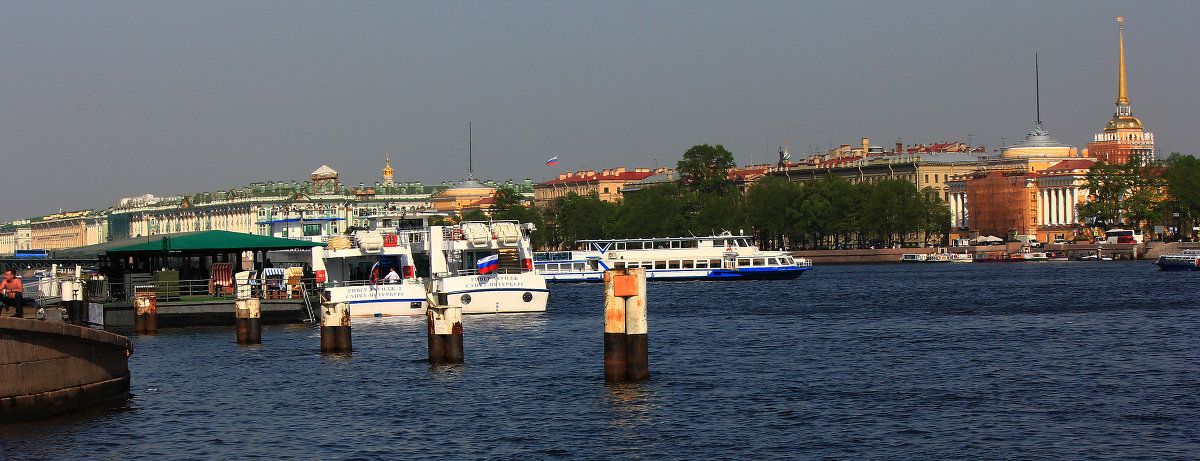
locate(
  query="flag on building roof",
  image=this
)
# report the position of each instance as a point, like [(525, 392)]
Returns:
[(553, 161), (488, 264)]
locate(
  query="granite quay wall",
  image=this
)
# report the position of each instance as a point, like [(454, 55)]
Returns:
[(49, 368)]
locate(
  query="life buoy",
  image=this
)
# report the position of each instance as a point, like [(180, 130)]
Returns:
[(456, 234)]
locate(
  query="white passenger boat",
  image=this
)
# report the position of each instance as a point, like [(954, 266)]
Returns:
[(1186, 260), (724, 257), (485, 267), (355, 270)]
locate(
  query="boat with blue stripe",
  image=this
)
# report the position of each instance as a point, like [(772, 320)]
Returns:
[(715, 257), (1187, 260)]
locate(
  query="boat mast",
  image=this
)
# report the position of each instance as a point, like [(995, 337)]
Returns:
[(1037, 90), (470, 152)]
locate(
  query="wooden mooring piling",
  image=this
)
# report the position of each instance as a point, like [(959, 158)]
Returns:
[(445, 330), (248, 322), (626, 347), (335, 327), (145, 320)]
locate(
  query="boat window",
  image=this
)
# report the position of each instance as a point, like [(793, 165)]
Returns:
[(714, 263), (673, 264), (577, 266), (660, 264), (618, 265), (787, 260), (675, 244), (620, 245), (741, 242), (743, 261), (687, 264), (772, 262), (759, 261), (702, 264)]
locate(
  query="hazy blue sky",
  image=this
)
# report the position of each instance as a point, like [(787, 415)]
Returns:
[(104, 100)]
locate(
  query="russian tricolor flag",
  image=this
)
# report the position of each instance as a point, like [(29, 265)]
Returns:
[(552, 161), (488, 264)]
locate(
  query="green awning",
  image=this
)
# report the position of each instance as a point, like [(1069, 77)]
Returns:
[(214, 241)]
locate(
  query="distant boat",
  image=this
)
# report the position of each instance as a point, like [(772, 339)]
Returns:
[(723, 257), (1187, 260)]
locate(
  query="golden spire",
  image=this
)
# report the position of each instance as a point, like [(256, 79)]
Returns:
[(387, 167), (1122, 95)]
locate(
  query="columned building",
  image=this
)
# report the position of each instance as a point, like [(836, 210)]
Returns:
[(1123, 137)]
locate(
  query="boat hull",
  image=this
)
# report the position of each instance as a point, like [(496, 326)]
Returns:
[(384, 300), (495, 293), (773, 273)]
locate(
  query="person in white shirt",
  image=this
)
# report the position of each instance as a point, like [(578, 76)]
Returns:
[(392, 277)]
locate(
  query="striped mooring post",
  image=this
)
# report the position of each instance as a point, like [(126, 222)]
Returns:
[(248, 321), (335, 327), (445, 330), (626, 351), (145, 318)]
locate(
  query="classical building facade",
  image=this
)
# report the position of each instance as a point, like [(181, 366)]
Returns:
[(1123, 137), (606, 183)]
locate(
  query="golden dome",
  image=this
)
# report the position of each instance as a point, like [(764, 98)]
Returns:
[(387, 167), (1123, 123)]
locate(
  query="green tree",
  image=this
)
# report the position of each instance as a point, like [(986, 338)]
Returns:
[(934, 215), (705, 169), (655, 211), (1182, 181)]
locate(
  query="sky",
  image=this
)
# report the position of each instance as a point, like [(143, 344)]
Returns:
[(113, 99)]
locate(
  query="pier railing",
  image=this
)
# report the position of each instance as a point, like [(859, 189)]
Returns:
[(205, 289)]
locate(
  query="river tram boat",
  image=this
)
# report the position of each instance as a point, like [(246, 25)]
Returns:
[(715, 257), (484, 267), (941, 256), (1016, 257), (1187, 260), (355, 270)]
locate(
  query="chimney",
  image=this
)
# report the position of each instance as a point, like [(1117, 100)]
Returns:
[(866, 142)]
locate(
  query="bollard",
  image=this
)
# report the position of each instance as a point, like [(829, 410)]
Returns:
[(335, 327), (614, 328), (636, 346), (445, 330), (145, 319)]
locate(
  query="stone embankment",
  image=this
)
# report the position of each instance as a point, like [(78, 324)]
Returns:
[(1151, 250), (49, 368)]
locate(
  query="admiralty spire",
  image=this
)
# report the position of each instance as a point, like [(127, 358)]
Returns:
[(1123, 138)]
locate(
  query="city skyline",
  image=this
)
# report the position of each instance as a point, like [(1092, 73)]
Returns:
[(132, 98)]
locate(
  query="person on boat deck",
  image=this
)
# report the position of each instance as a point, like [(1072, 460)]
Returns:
[(10, 293), (392, 277)]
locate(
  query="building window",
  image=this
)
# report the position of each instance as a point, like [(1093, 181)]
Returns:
[(605, 190)]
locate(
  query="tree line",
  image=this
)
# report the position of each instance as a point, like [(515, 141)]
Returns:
[(1143, 195), (830, 212)]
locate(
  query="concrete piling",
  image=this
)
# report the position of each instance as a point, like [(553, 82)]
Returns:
[(248, 322), (445, 330), (626, 355), (335, 327), (145, 319)]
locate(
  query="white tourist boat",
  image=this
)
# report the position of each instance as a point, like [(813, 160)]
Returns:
[(723, 257), (428, 258), (485, 267), (1186, 260), (354, 270)]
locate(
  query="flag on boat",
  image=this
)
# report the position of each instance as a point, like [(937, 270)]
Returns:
[(553, 161), (488, 264)]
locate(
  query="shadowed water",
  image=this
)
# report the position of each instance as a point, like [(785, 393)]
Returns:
[(1031, 360)]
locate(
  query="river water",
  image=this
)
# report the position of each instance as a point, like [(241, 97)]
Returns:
[(889, 361)]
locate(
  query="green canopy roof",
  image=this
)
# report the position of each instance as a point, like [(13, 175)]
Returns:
[(214, 241)]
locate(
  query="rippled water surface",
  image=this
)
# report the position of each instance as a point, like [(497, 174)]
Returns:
[(1030, 360)]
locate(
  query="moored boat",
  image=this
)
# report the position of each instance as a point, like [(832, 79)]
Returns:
[(722, 257)]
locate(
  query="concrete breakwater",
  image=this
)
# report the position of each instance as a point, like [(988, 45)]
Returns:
[(1151, 250), (48, 368)]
